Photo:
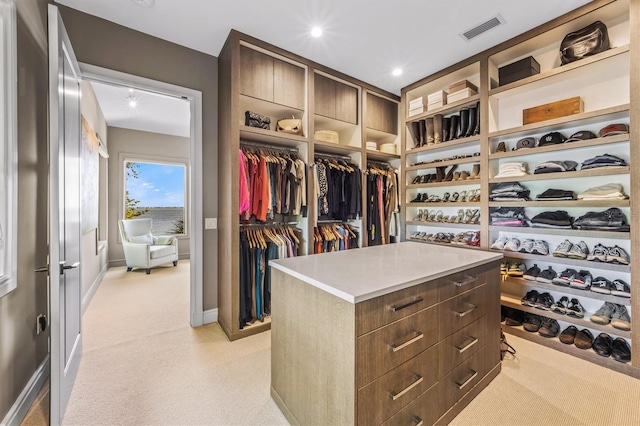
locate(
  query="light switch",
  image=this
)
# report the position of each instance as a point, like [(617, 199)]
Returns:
[(211, 223)]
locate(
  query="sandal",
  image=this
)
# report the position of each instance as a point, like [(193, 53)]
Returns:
[(468, 215), (463, 196), (418, 216), (455, 197), (416, 180), (438, 216), (445, 197), (475, 219), (432, 216)]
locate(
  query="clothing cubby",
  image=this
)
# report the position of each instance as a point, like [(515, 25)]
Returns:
[(258, 77), (608, 83)]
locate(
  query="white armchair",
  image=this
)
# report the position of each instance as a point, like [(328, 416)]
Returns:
[(142, 249)]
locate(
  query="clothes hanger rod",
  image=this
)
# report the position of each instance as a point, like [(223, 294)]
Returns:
[(246, 144), (267, 225), (332, 156)]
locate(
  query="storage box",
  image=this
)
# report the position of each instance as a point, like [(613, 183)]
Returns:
[(389, 148), (438, 96), (435, 105), (372, 146), (416, 111), (552, 110), (460, 85), (460, 94), (518, 70), (416, 103), (327, 136)]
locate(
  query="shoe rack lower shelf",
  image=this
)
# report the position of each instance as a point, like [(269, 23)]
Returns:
[(469, 226), (585, 354), (564, 232), (445, 244), (586, 264), (514, 302), (570, 290)]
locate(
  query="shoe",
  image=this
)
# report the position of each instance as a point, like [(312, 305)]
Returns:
[(545, 301), (527, 246), (583, 339), (499, 243), (437, 128), (472, 121), (501, 147), (560, 307), (430, 131), (620, 288), (446, 124), (449, 176), (504, 267), (603, 315), (578, 251), (602, 345), (620, 318), (601, 285), (475, 172), (549, 328), (516, 270), (540, 247), (582, 280), (454, 129), (563, 249), (476, 130), (514, 318), (620, 350), (532, 273), (531, 322), (568, 335), (565, 277), (575, 309), (599, 254), (513, 244), (418, 140), (464, 122), (530, 298), (547, 275), (617, 254)]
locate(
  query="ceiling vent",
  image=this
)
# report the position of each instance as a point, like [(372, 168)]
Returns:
[(144, 3), (483, 27)]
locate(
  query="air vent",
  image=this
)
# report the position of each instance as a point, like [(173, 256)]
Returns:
[(482, 28)]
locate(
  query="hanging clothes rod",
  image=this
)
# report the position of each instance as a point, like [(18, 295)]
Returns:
[(379, 163), (269, 147), (267, 225), (333, 156)]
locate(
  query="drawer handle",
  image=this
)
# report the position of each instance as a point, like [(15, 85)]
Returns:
[(466, 382), (395, 308), (473, 341), (468, 311), (418, 421), (468, 279), (416, 382), (414, 339)]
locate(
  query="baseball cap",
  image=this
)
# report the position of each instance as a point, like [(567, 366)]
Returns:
[(552, 139), (613, 129), (525, 143), (582, 135)]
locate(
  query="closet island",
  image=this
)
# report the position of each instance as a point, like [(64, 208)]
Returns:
[(404, 333)]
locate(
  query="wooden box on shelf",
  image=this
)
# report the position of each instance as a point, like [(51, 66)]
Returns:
[(518, 70), (552, 110), (461, 85)]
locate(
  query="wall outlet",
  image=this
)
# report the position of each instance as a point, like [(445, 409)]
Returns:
[(41, 323), (211, 223)]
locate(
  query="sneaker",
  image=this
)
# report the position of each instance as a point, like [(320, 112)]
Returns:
[(583, 339), (563, 249), (620, 350), (560, 307), (532, 322), (512, 245), (599, 254), (582, 280), (620, 318), (547, 275), (575, 309), (602, 345), (601, 285), (532, 273), (527, 246), (504, 267), (603, 315), (617, 254), (530, 298), (620, 288), (568, 335), (540, 247), (549, 328), (578, 251), (499, 243), (565, 277), (545, 301), (516, 270)]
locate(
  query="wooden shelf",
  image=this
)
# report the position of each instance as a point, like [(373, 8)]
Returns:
[(457, 143), (444, 244), (562, 203), (334, 148), (560, 70), (561, 147), (559, 124), (446, 109), (585, 264), (514, 302), (254, 134), (563, 232), (602, 171), (435, 164), (382, 156), (444, 184), (444, 204), (469, 226), (570, 290)]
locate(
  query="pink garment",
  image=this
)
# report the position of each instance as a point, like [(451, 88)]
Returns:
[(244, 185)]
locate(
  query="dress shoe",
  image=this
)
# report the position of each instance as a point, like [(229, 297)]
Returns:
[(437, 128), (472, 121), (429, 135), (464, 122), (423, 132), (454, 129), (446, 125), (620, 350), (602, 345), (417, 136)]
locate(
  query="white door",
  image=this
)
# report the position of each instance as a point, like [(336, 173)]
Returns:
[(64, 215)]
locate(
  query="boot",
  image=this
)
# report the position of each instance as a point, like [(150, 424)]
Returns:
[(437, 128), (449, 176), (440, 175), (454, 130), (423, 132), (446, 124), (476, 130), (464, 122), (430, 135), (472, 121), (415, 132), (475, 173)]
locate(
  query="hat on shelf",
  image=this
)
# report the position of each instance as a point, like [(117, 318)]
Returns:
[(614, 129), (525, 143), (372, 146), (327, 136), (582, 135), (552, 139)]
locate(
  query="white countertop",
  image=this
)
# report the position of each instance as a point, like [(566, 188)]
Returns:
[(361, 274)]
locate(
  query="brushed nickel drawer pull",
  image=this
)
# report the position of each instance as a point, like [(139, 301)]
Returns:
[(418, 421), (417, 381), (414, 339), (468, 311), (466, 382), (468, 279), (473, 341), (395, 308)]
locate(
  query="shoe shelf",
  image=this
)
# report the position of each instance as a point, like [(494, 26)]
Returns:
[(443, 146), (435, 164), (445, 244), (444, 184), (563, 232), (562, 203), (381, 156), (469, 226), (586, 264), (445, 204), (447, 109), (334, 148), (585, 354), (561, 147), (512, 301), (568, 68), (579, 293), (602, 171), (558, 124), (255, 134)]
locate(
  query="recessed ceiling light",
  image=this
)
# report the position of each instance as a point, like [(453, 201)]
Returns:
[(316, 32), (144, 3), (396, 72), (132, 101)]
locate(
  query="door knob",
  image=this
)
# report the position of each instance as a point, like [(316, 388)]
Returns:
[(64, 267)]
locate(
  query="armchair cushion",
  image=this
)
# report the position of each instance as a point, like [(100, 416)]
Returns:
[(164, 240), (161, 251), (142, 239)]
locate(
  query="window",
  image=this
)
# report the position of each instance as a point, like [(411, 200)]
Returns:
[(156, 191)]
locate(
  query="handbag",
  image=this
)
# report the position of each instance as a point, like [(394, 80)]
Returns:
[(252, 119), (587, 41), (292, 126), (505, 347)]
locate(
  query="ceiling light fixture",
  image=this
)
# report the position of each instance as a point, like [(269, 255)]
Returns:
[(144, 3), (396, 72), (132, 101), (316, 32)]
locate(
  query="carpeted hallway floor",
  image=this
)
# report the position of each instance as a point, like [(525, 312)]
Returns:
[(144, 365)]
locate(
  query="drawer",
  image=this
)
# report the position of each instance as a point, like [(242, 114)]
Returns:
[(387, 395), (461, 345), (462, 310), (377, 312), (462, 379), (424, 410), (461, 282), (385, 348)]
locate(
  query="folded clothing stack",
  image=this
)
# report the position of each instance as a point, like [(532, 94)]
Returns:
[(604, 160), (559, 219), (512, 168), (509, 191), (612, 219), (508, 216), (610, 191), (555, 167), (556, 195)]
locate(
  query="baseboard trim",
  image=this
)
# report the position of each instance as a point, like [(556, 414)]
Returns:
[(21, 406), (122, 262), (210, 316), (94, 287)]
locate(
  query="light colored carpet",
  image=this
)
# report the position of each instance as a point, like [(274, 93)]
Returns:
[(144, 365)]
